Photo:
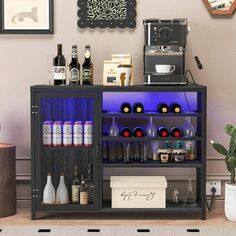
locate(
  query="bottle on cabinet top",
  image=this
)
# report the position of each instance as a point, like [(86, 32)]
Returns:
[(162, 107), (138, 107), (87, 75), (138, 132), (125, 107), (175, 108), (59, 67), (175, 132), (74, 67)]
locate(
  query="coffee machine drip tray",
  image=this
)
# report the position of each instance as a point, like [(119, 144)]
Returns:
[(164, 79)]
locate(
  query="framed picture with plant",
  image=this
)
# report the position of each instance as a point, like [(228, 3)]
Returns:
[(107, 13), (26, 16)]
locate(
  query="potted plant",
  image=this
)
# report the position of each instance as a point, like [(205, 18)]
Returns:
[(230, 161)]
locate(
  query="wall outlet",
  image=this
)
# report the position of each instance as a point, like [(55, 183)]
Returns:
[(211, 184)]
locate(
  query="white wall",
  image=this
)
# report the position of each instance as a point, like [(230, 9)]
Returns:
[(24, 61)]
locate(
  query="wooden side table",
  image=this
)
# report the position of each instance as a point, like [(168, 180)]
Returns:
[(7, 180)]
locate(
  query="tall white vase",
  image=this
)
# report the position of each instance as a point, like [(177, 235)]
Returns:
[(230, 202), (49, 191), (62, 196)]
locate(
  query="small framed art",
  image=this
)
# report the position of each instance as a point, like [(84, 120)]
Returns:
[(26, 16)]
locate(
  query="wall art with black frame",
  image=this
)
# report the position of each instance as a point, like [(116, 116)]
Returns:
[(107, 13), (26, 16)]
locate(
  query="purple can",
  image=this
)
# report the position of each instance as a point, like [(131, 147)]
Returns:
[(57, 133), (88, 133), (47, 133), (67, 133), (78, 133)]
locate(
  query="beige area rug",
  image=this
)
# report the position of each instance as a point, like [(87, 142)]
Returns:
[(118, 231)]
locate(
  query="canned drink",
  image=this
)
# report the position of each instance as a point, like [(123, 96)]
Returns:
[(47, 133), (78, 133), (57, 133), (67, 133), (88, 133)]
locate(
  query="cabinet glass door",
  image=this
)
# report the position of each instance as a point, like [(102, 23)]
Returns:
[(67, 137)]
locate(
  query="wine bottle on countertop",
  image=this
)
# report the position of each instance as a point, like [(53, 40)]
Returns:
[(87, 73), (138, 132), (175, 132), (163, 132), (175, 108), (59, 67), (126, 132), (125, 107), (74, 67), (138, 107), (162, 107), (75, 186)]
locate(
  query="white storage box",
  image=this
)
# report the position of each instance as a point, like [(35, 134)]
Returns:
[(138, 191)]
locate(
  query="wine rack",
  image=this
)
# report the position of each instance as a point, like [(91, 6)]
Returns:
[(102, 104)]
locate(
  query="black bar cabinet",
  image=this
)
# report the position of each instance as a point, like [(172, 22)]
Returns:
[(101, 104)]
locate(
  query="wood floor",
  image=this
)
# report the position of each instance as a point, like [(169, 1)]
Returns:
[(23, 218)]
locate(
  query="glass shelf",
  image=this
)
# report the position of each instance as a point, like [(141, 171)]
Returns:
[(151, 163), (149, 114), (143, 139)]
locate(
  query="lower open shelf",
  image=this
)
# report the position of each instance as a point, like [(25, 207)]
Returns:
[(170, 208)]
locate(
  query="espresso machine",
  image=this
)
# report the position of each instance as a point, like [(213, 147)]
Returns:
[(164, 51)]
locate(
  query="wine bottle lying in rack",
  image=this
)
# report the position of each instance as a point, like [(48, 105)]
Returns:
[(163, 132), (125, 107), (175, 132), (138, 132), (126, 132), (162, 107), (138, 107), (175, 108)]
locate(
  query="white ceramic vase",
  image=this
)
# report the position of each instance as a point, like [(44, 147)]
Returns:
[(62, 196), (230, 202), (49, 191)]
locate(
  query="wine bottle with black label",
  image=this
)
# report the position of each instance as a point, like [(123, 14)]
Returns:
[(59, 67), (175, 132), (126, 132), (162, 107), (163, 132), (138, 132), (138, 107), (87, 67), (175, 108), (74, 67), (125, 107)]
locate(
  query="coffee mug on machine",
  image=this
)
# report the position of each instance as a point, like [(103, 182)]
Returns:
[(165, 68)]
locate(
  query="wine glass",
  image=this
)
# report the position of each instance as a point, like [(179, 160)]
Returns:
[(151, 129), (113, 131)]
